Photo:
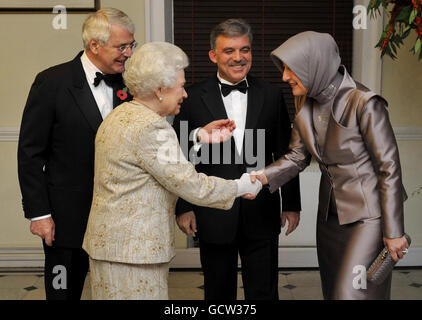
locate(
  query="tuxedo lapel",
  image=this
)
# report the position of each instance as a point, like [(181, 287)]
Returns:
[(83, 96), (213, 101), (119, 96)]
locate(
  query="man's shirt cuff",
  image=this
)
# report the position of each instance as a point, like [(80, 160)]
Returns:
[(42, 217), (196, 144)]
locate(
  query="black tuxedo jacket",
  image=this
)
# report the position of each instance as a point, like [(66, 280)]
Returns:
[(56, 150), (266, 110)]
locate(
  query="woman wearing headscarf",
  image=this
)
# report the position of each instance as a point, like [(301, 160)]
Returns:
[(346, 128), (140, 171)]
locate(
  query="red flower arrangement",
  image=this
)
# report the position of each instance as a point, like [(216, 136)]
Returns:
[(404, 16)]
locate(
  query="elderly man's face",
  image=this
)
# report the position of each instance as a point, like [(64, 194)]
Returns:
[(108, 58), (233, 57)]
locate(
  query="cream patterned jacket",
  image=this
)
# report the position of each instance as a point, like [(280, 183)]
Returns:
[(140, 172)]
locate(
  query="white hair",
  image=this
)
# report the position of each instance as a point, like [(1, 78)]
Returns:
[(97, 25), (154, 65)]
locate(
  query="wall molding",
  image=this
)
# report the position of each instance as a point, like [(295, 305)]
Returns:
[(21, 258), (289, 257), (408, 133), (11, 134)]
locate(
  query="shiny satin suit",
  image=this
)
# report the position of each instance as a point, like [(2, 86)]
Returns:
[(361, 193)]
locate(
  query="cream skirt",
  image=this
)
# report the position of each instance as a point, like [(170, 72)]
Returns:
[(121, 281)]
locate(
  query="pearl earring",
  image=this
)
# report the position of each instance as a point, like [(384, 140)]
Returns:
[(160, 98)]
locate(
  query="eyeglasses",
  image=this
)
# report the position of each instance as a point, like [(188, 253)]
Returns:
[(123, 48)]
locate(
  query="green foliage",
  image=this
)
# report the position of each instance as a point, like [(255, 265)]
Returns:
[(405, 16), (416, 192)]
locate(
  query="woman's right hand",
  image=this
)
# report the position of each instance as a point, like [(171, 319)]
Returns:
[(259, 175), (397, 247), (256, 175)]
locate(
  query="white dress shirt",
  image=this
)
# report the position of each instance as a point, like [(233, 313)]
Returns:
[(103, 96), (236, 105)]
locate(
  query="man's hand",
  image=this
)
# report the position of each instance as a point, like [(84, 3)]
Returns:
[(216, 131), (45, 229), (396, 246), (293, 217), (187, 222)]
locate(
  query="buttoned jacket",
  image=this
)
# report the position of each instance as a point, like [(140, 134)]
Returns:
[(359, 162)]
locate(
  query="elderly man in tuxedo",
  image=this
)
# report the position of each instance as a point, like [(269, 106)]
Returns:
[(253, 104), (65, 107)]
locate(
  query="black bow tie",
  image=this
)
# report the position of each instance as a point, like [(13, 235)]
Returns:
[(226, 88), (109, 79)]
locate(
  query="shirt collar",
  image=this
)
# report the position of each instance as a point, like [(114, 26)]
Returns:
[(228, 82), (89, 68)]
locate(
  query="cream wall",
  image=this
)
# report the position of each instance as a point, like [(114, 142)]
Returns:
[(29, 45), (402, 87)]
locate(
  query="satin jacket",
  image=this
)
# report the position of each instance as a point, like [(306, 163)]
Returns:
[(359, 162), (140, 172)]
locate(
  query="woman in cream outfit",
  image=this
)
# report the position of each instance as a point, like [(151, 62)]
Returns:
[(346, 128), (140, 172)]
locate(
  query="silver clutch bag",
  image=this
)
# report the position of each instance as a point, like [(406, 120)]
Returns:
[(382, 265)]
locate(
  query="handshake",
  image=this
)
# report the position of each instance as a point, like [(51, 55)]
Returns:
[(249, 185)]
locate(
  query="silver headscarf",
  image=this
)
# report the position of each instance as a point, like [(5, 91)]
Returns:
[(312, 56)]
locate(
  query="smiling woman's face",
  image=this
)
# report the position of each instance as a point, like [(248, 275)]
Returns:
[(290, 77)]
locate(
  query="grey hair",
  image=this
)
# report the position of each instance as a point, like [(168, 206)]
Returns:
[(230, 28), (97, 25), (154, 65)]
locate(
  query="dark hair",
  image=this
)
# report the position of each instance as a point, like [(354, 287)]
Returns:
[(230, 28)]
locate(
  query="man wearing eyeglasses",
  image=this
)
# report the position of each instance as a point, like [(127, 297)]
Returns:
[(65, 107)]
